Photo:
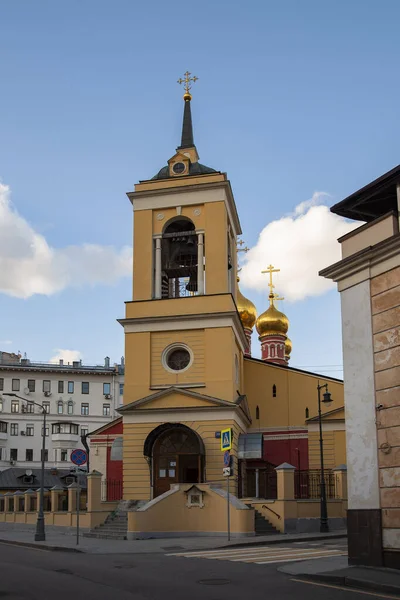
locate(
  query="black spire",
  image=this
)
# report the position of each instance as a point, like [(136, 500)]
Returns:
[(187, 140)]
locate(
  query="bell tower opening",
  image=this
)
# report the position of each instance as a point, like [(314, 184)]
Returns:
[(179, 264)]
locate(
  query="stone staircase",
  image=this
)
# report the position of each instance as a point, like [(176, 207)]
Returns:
[(114, 528), (262, 526)]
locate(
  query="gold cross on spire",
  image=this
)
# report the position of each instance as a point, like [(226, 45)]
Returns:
[(271, 286), (276, 297), (187, 84)]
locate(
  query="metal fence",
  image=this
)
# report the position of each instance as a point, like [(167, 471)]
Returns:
[(112, 490), (307, 484), (261, 483)]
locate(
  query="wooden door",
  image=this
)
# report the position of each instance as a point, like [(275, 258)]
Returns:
[(166, 473)]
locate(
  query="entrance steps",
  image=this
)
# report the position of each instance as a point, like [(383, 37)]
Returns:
[(114, 528), (262, 526)]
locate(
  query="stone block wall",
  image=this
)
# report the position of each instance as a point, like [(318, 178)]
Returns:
[(385, 303)]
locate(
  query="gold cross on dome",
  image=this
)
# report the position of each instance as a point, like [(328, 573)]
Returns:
[(270, 270), (187, 81), (276, 297)]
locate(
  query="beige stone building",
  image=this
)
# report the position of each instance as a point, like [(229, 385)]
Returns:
[(368, 278)]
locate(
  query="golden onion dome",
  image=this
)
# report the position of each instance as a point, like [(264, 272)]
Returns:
[(288, 347), (246, 309), (272, 321)]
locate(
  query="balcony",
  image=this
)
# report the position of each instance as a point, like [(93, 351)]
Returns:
[(65, 434), (3, 433)]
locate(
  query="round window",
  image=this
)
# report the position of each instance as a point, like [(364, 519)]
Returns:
[(179, 168), (178, 359)]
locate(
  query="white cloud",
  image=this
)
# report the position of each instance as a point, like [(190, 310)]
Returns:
[(68, 356), (300, 245), (5, 342), (28, 265)]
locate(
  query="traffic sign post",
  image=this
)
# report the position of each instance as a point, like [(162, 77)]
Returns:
[(79, 458)]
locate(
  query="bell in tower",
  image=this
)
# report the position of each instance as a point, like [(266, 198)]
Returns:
[(179, 256)]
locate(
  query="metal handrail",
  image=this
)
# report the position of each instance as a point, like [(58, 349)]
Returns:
[(275, 513)]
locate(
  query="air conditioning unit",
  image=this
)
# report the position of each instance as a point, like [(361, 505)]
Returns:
[(12, 461), (107, 396), (47, 394), (23, 409), (26, 391), (23, 433)]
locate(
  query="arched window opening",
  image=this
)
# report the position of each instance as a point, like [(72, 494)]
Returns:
[(307, 413), (257, 412), (179, 258), (60, 407), (70, 407), (274, 391)]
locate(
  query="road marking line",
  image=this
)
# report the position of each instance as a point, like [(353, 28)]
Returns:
[(345, 589), (302, 556), (290, 553), (226, 551), (291, 558)]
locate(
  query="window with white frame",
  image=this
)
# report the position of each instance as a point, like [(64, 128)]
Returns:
[(46, 407), (64, 455), (46, 386), (70, 407), (29, 430), (70, 387), (15, 385), (14, 406), (60, 407), (106, 389), (31, 385), (14, 429), (106, 410), (84, 408), (30, 407)]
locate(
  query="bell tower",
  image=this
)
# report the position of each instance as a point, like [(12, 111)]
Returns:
[(182, 328)]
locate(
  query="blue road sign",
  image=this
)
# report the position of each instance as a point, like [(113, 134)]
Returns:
[(227, 458), (78, 457), (226, 439)]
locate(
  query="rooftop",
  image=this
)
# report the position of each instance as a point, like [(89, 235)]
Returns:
[(373, 200), (16, 362)]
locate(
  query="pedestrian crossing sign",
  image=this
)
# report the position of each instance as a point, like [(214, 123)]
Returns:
[(226, 439)]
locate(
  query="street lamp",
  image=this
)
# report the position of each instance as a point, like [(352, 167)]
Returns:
[(40, 534), (327, 400)]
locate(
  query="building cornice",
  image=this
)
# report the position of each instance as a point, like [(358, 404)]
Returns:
[(141, 200), (365, 259)]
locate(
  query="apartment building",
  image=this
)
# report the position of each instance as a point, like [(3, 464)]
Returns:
[(77, 399)]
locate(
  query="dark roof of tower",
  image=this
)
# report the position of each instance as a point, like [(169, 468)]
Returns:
[(194, 169), (187, 141)]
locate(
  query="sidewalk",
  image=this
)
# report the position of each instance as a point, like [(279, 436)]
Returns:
[(23, 535), (335, 571)]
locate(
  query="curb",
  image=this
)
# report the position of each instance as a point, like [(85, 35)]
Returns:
[(350, 582), (41, 546), (307, 538)]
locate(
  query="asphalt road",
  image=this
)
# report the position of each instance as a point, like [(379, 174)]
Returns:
[(37, 574)]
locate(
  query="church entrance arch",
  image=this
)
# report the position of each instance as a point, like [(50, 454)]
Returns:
[(177, 456)]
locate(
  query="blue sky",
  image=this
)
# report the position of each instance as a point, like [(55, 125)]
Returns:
[(293, 98)]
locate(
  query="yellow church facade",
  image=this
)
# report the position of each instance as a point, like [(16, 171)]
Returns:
[(189, 373)]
